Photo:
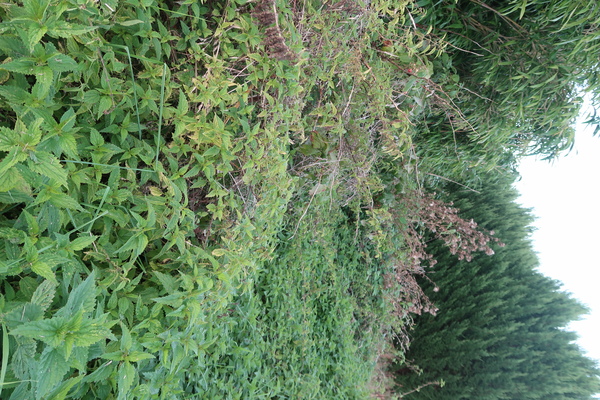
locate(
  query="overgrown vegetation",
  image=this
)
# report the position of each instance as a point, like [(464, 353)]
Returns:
[(231, 199)]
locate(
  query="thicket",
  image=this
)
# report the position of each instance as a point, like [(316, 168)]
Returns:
[(500, 330), (229, 199)]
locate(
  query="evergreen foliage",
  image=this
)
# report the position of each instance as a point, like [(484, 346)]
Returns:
[(499, 332)]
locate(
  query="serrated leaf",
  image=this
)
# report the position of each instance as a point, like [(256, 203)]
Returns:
[(14, 196), (43, 270), (105, 104), (11, 44), (89, 332), (62, 63), (9, 180), (33, 34), (66, 30), (8, 139), (126, 341), (82, 297), (130, 22), (15, 236), (14, 94), (32, 225), (25, 313), (44, 294), (24, 65), (44, 79), (23, 358), (52, 368), (11, 159), (79, 358), (96, 138), (49, 331), (60, 393), (48, 165), (169, 283), (102, 373), (62, 200), (126, 374), (136, 356), (82, 242)]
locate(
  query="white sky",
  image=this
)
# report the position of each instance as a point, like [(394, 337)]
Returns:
[(565, 197)]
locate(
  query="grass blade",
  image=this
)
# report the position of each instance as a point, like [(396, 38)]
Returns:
[(5, 353)]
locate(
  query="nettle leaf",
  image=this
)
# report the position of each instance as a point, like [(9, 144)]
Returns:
[(52, 367), (8, 139), (32, 225), (13, 196), (65, 333), (169, 283), (62, 63), (15, 236), (126, 374), (9, 180), (50, 331), (12, 44), (46, 164), (44, 294), (15, 94), (43, 270), (66, 30), (82, 297), (32, 33), (81, 242), (24, 65), (44, 78), (60, 393), (25, 313), (11, 159), (23, 358)]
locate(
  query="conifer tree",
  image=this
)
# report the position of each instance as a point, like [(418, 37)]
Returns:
[(499, 332)]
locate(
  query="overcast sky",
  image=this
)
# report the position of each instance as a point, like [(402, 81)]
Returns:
[(565, 196)]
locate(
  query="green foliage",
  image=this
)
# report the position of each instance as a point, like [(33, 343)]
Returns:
[(500, 332), (195, 197)]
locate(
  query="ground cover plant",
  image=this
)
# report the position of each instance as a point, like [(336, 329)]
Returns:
[(231, 199)]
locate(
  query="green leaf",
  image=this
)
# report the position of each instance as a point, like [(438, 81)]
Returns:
[(62, 63), (14, 94), (49, 331), (25, 66), (13, 196), (32, 224), (48, 165), (169, 283), (9, 180), (43, 270), (126, 374), (52, 368), (82, 242), (136, 356), (8, 139), (60, 393), (126, 341), (44, 294), (82, 297), (130, 22), (66, 30), (44, 79), (11, 159), (32, 34)]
